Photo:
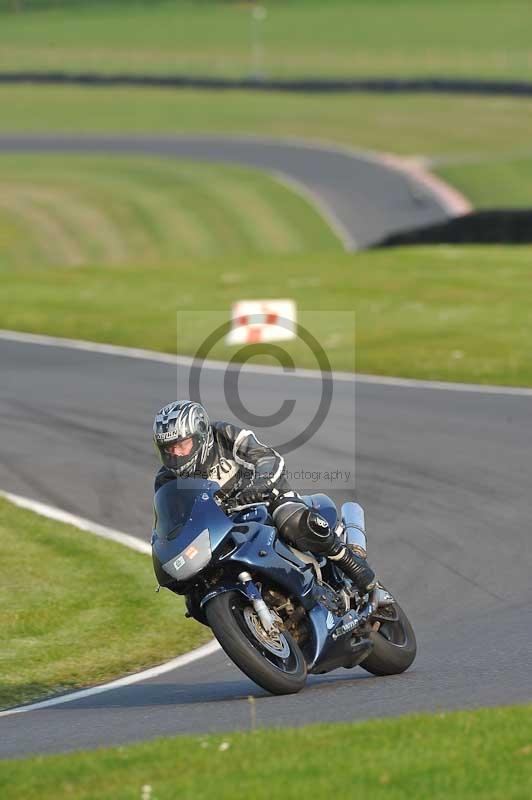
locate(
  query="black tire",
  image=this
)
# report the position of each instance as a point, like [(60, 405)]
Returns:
[(394, 644), (225, 615)]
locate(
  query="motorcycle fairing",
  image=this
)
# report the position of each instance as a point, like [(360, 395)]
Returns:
[(326, 653), (257, 546), (188, 527), (258, 549)]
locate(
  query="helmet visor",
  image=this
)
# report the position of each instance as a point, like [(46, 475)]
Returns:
[(180, 454), (183, 447)]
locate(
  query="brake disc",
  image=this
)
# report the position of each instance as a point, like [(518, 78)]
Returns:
[(273, 640)]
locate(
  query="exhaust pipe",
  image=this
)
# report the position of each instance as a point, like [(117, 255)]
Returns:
[(354, 525)]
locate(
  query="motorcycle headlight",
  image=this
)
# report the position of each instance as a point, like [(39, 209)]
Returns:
[(192, 559)]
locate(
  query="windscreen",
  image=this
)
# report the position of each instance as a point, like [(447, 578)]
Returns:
[(173, 504)]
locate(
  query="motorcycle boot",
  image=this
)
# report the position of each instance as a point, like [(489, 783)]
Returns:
[(351, 560), (354, 565)]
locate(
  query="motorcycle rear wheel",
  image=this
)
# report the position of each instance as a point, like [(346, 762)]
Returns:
[(394, 643), (228, 616)]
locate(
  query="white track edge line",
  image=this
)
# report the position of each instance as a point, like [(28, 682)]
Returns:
[(181, 661), (51, 512), (187, 361)]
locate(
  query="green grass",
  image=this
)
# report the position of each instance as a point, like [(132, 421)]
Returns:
[(426, 312), (76, 610), (336, 38), (503, 182), (464, 135), (445, 313), (470, 755), (73, 211)]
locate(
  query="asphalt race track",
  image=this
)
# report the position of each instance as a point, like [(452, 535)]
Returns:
[(444, 476), (363, 198)]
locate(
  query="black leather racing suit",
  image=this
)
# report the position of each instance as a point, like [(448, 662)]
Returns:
[(238, 460)]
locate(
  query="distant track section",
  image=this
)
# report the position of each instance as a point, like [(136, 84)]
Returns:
[(363, 197)]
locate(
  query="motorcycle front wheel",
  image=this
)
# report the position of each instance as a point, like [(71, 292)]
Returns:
[(394, 642), (273, 661)]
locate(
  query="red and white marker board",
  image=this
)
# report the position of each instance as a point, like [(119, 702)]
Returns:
[(255, 321)]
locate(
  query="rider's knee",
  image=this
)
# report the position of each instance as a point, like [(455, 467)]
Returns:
[(303, 527)]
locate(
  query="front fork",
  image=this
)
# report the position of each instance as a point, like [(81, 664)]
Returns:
[(352, 621), (261, 609)]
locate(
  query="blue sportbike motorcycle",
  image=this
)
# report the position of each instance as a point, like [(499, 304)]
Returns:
[(278, 613)]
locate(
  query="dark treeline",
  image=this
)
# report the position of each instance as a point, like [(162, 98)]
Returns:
[(488, 226)]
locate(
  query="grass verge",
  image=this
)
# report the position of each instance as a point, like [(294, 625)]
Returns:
[(501, 183), (471, 755), (73, 211), (446, 313), (300, 37), (76, 610)]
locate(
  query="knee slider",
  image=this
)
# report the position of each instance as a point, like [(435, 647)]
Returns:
[(315, 523), (316, 528)]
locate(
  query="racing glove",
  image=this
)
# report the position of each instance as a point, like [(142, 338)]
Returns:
[(256, 492)]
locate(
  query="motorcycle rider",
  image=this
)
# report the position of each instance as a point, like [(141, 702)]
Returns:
[(190, 446)]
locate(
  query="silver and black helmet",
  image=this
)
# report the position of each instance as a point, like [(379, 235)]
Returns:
[(178, 422)]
